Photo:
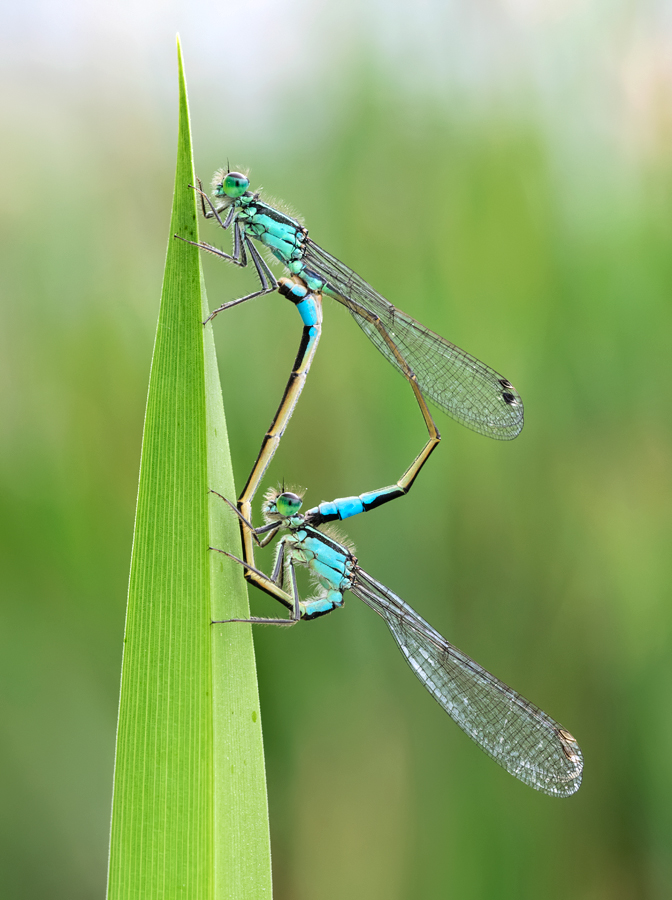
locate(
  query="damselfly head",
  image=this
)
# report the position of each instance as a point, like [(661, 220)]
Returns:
[(229, 184), (281, 503)]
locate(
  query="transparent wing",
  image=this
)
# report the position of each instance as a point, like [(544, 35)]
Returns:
[(516, 734), (457, 382)]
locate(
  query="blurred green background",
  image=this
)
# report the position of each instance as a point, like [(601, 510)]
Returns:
[(502, 171)]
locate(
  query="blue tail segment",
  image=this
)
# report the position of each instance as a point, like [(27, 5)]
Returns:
[(303, 300), (345, 507)]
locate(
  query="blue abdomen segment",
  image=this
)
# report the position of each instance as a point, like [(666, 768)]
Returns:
[(341, 508), (308, 310), (314, 282), (372, 499), (303, 300), (344, 507), (297, 267)]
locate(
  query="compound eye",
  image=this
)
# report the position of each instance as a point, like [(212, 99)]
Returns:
[(235, 184), (288, 504)]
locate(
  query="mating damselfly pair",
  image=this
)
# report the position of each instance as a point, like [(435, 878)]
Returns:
[(519, 736)]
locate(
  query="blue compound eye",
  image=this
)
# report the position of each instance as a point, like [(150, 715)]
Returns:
[(288, 504), (235, 184)]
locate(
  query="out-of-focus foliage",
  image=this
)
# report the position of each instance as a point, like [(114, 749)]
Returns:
[(547, 559)]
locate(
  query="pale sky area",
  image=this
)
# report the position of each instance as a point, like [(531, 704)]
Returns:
[(266, 61)]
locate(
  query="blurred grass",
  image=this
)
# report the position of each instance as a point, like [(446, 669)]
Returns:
[(547, 559)]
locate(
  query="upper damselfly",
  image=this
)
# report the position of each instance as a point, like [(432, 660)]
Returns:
[(458, 383)]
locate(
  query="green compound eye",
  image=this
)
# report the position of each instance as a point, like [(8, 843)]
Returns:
[(288, 504), (235, 184)]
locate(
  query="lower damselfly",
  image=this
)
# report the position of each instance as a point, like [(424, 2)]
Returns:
[(519, 736)]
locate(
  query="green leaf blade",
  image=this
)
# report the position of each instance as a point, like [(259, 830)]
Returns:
[(177, 831), (241, 831)]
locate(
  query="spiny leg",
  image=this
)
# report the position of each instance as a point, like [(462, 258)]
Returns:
[(272, 588), (269, 530), (269, 282), (241, 241), (238, 257), (213, 214)]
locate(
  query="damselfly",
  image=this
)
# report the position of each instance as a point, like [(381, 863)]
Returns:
[(515, 733), (457, 382)]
